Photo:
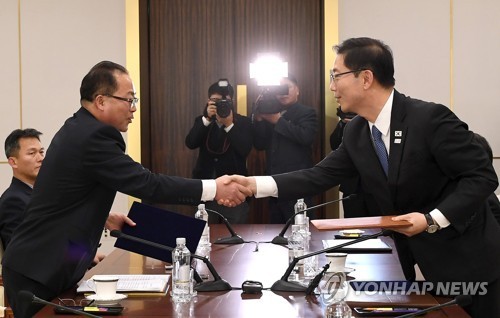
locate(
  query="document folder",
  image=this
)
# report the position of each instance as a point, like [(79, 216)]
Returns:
[(162, 227), (359, 223)]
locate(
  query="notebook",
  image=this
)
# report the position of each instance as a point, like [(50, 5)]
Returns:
[(162, 227)]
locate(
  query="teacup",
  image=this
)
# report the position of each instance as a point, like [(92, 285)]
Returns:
[(104, 286), (337, 262)]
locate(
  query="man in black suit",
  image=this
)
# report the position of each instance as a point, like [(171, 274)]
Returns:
[(436, 177), (493, 201), (224, 142), (355, 206), (287, 137), (85, 166), (25, 154)]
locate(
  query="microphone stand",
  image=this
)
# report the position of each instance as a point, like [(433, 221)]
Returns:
[(315, 282), (234, 238), (284, 285), (29, 296), (280, 239), (461, 300), (218, 284)]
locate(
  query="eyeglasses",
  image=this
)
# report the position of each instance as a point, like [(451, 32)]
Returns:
[(132, 101), (68, 302), (334, 76)]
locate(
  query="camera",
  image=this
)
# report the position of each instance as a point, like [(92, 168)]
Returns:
[(224, 107), (268, 103), (343, 115)]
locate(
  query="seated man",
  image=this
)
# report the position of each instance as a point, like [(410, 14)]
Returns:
[(25, 154)]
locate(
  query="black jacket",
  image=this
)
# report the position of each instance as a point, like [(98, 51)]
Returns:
[(220, 153), (84, 167)]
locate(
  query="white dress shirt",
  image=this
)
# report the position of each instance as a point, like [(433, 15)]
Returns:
[(266, 186)]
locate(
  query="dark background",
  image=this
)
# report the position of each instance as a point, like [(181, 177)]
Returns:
[(186, 45)]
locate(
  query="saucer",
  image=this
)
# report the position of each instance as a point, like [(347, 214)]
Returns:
[(106, 301), (346, 270)]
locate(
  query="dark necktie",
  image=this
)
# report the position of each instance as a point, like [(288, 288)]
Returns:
[(380, 148)]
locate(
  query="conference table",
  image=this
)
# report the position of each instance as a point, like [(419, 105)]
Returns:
[(256, 260)]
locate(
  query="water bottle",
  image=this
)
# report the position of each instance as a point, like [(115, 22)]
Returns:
[(201, 267), (296, 242), (181, 272), (333, 294), (338, 310), (202, 214), (302, 218)]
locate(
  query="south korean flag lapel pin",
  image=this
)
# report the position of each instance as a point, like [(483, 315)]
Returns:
[(398, 135)]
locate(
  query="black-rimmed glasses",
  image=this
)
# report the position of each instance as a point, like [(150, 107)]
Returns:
[(68, 302), (132, 101), (334, 76)]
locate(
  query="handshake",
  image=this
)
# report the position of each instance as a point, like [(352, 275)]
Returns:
[(233, 190)]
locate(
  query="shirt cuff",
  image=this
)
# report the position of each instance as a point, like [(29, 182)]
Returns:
[(440, 219), (209, 190), (266, 187), (228, 128), (206, 122)]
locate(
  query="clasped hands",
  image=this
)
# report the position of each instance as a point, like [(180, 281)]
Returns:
[(233, 190)]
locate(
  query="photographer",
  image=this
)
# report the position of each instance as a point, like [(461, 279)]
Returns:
[(224, 143), (286, 134)]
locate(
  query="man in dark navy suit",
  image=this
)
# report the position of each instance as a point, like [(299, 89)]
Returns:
[(25, 153), (85, 166), (418, 161)]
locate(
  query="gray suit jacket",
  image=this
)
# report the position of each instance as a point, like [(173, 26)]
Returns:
[(433, 163)]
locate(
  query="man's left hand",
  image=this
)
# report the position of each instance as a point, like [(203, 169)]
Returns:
[(116, 221), (228, 121), (417, 220)]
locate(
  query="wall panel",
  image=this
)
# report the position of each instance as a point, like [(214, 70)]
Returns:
[(192, 44), (418, 33), (475, 68), (9, 74), (47, 48)]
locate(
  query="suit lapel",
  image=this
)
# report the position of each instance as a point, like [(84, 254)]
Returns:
[(397, 139)]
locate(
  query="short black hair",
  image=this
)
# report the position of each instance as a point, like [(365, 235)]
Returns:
[(12, 141), (100, 80), (369, 54), (224, 91)]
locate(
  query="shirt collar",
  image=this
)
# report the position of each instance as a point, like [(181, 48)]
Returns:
[(383, 121)]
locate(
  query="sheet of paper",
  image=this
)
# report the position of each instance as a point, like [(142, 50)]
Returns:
[(132, 283)]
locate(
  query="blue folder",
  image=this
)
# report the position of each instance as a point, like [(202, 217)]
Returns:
[(162, 227)]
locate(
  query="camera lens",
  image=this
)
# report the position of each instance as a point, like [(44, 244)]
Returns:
[(224, 107)]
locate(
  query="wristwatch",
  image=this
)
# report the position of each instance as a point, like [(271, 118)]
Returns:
[(432, 226)]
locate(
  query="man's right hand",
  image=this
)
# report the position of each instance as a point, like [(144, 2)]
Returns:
[(211, 109), (247, 182), (230, 193)]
